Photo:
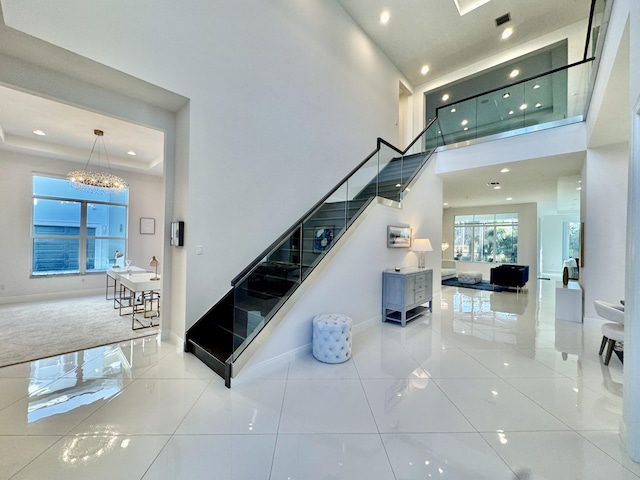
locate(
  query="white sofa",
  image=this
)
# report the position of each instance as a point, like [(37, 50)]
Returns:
[(449, 269)]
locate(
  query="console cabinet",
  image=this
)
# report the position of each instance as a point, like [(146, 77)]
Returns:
[(405, 292)]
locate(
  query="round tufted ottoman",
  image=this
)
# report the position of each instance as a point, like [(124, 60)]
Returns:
[(470, 277), (332, 337)]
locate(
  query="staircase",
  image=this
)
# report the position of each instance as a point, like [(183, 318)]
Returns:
[(222, 335)]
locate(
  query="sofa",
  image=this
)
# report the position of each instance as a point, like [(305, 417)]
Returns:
[(449, 269), (514, 276)]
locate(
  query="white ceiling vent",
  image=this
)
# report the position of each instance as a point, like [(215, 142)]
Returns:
[(465, 6)]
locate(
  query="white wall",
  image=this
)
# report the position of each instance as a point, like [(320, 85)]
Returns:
[(544, 143), (285, 98), (605, 225), (351, 283), (16, 191), (179, 187), (551, 240), (527, 236)]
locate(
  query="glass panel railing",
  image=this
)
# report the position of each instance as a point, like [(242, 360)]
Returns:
[(537, 102), (579, 83), (432, 137), (426, 143), (594, 34), (391, 173), (321, 228), (458, 122), (362, 186), (265, 288)]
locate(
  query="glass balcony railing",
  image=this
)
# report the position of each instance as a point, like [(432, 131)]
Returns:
[(596, 25), (544, 101), (265, 285)]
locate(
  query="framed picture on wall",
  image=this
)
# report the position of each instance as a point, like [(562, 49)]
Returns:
[(147, 226), (322, 238), (398, 237)]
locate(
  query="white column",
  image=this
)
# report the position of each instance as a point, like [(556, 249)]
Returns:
[(631, 396)]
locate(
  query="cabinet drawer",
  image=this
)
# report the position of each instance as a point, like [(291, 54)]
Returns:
[(421, 280), (421, 296)]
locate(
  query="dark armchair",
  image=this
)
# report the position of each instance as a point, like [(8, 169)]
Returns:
[(510, 275)]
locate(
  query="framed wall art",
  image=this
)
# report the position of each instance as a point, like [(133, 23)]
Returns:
[(147, 226), (322, 238), (398, 237)]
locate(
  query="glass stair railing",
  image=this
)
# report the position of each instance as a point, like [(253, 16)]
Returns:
[(221, 336), (260, 290), (555, 98)]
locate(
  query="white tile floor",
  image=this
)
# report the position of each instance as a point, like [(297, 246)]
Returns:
[(489, 386)]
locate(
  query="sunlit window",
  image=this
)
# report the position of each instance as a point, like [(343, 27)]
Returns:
[(491, 237), (76, 231)]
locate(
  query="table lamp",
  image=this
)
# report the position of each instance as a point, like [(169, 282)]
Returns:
[(421, 245), (154, 263)]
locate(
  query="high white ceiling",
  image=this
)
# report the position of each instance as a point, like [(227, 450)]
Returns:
[(551, 182), (433, 33), (69, 133)]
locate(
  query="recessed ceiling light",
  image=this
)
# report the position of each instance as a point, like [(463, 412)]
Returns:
[(579, 188), (466, 128), (398, 185), (424, 70), (514, 73), (497, 187), (509, 199), (445, 97), (511, 112), (538, 105), (536, 86), (453, 110), (384, 17), (445, 204), (506, 95), (132, 153), (523, 106), (39, 132), (504, 170), (464, 122), (506, 33)]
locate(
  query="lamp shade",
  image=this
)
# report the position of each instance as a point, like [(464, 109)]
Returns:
[(421, 245)]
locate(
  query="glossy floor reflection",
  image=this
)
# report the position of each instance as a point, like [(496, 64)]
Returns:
[(489, 386)]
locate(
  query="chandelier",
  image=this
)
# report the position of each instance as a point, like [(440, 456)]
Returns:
[(90, 180)]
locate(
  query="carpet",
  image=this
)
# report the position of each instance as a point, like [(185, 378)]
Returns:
[(483, 285), (35, 330)]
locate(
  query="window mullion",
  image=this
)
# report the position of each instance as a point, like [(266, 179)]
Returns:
[(83, 238)]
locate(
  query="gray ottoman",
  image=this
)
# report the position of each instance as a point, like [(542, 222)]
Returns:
[(332, 337), (470, 278)]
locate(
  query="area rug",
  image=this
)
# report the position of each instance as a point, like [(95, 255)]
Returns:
[(483, 285), (35, 330)]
